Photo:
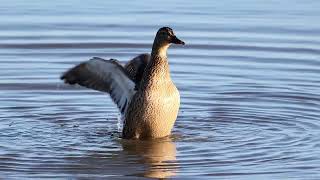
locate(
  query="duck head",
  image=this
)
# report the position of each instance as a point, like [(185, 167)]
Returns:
[(165, 36)]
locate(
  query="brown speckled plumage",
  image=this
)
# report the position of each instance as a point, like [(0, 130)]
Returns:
[(142, 89)]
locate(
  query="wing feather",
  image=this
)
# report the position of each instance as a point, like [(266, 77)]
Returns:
[(106, 76), (135, 67)]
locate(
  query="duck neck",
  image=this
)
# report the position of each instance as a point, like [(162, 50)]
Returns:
[(159, 50), (157, 71)]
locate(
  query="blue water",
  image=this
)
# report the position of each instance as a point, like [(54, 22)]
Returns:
[(248, 77)]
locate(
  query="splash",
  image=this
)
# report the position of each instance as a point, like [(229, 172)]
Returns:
[(120, 119)]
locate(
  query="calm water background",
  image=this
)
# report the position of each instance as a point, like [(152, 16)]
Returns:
[(248, 76)]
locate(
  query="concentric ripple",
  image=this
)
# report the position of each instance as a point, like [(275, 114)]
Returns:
[(248, 77)]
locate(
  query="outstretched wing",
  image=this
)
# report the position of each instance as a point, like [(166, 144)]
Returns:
[(136, 67), (103, 75)]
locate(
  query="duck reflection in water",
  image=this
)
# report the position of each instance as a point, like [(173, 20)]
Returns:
[(153, 159), (158, 155)]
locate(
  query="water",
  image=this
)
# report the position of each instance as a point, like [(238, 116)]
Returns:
[(248, 77)]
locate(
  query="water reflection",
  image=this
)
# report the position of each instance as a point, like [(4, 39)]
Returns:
[(153, 159), (158, 155)]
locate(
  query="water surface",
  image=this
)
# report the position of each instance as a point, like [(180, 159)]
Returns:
[(248, 77)]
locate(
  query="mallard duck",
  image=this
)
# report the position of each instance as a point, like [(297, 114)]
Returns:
[(142, 89)]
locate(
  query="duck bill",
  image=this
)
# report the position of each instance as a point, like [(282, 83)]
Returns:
[(176, 40)]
